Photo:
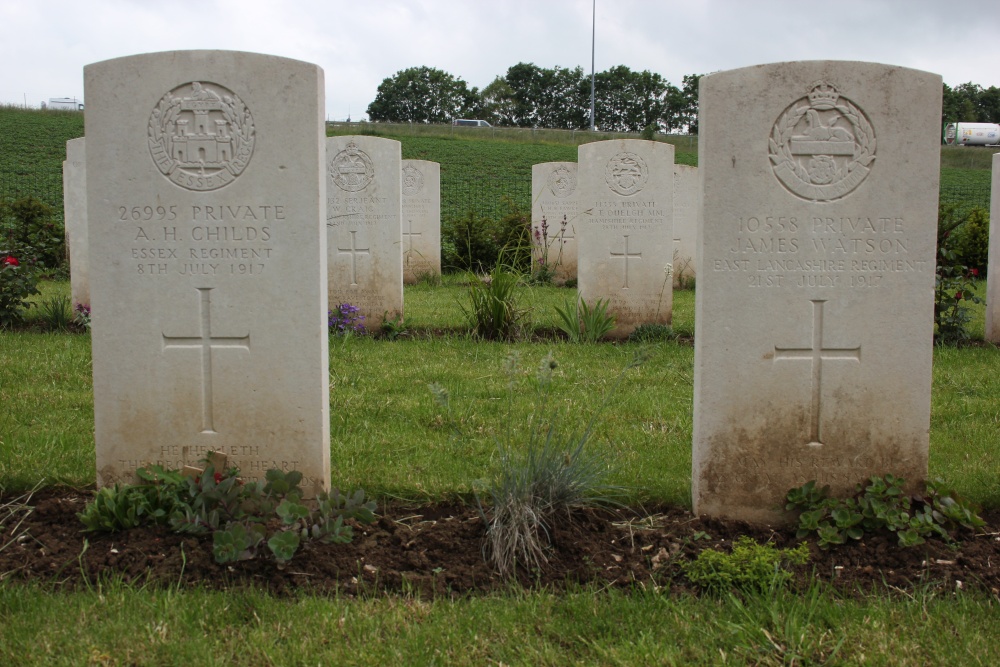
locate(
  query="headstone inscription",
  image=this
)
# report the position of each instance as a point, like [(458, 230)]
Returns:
[(993, 261), (75, 217), (421, 188), (686, 221), (815, 287), (205, 203), (363, 218), (554, 218), (626, 233)]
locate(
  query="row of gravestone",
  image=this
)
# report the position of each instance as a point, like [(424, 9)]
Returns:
[(369, 216), (814, 309)]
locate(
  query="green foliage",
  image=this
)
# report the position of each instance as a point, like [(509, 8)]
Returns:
[(881, 505), (653, 333), (493, 309), (749, 567), (239, 516), (17, 282), (582, 323), (971, 241), (421, 95), (56, 312), (953, 287), (393, 329), (27, 226), (543, 477)]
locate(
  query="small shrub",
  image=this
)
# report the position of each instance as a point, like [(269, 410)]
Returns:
[(27, 226), (749, 567), (881, 505), (17, 283), (954, 282), (971, 241), (493, 310), (393, 329), (581, 323), (81, 315), (56, 313)]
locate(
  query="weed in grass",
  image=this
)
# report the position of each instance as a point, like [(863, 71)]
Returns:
[(652, 333), (56, 313), (81, 315), (544, 478), (583, 323), (749, 567), (392, 329), (493, 309)]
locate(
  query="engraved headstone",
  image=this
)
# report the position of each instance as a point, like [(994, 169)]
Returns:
[(814, 306), (75, 216), (363, 219), (993, 261), (554, 218), (205, 203), (686, 221), (626, 233), (421, 220)]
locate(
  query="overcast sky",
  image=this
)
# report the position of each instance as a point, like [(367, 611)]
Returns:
[(44, 44)]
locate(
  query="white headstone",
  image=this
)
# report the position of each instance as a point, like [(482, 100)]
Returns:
[(687, 204), (814, 305), (75, 217), (205, 202), (365, 234), (993, 263), (554, 218), (625, 234), (421, 220)]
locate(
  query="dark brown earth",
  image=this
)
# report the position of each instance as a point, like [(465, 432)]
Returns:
[(438, 551)]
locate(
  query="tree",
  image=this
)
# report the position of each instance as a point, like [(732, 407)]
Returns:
[(681, 111), (421, 95), (555, 98), (627, 101), (497, 103)]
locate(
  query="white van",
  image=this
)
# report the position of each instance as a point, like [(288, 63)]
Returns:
[(470, 123)]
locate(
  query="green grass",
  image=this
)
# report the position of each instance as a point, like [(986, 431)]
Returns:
[(119, 625)]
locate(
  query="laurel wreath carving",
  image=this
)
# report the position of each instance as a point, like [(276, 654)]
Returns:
[(864, 140)]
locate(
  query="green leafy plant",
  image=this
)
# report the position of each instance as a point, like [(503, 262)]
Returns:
[(239, 516), (653, 333), (28, 226), (395, 328), (954, 282), (81, 315), (583, 323), (749, 567), (17, 282), (881, 505), (493, 310)]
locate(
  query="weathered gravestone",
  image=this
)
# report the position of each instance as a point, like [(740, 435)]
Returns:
[(814, 306), (75, 217), (365, 234), (205, 203), (993, 263), (626, 233), (554, 218), (421, 189), (686, 222)]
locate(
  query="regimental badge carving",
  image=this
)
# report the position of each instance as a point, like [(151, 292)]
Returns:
[(562, 182), (626, 173), (822, 146), (413, 180), (351, 169), (201, 136)]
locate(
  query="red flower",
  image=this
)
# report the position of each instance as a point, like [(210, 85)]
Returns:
[(975, 272), (218, 477), (10, 260), (958, 296)]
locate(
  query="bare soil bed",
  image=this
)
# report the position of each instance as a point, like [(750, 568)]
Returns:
[(438, 551)]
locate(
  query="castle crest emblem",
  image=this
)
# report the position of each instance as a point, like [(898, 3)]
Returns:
[(562, 182), (351, 169), (626, 173), (201, 136), (822, 146), (413, 180)]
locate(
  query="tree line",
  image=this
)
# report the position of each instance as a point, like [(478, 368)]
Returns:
[(532, 96), (559, 98)]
